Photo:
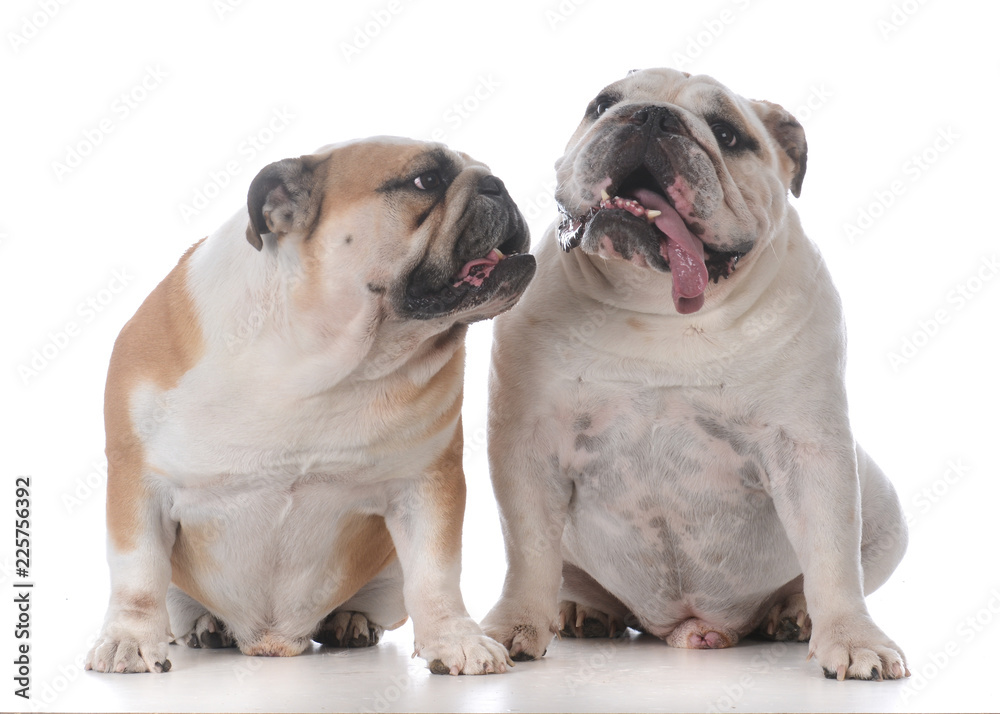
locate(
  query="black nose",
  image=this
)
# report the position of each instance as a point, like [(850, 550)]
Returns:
[(661, 119), (491, 186)]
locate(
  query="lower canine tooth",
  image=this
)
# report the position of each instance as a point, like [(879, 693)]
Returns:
[(605, 196), (498, 254), (651, 215)]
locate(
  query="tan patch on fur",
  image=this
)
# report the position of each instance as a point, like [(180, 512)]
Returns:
[(363, 548), (139, 605), (636, 324), (271, 645), (447, 493), (160, 343), (190, 560)]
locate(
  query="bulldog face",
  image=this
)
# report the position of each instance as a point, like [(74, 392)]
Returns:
[(422, 232), (678, 174)]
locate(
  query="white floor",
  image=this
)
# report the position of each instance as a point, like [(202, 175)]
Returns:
[(635, 673)]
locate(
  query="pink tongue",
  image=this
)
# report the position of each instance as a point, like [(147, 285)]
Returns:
[(489, 261), (684, 251)]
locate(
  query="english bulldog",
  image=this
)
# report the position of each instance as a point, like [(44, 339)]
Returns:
[(283, 423), (668, 434)]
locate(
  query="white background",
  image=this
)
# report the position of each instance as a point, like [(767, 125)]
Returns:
[(899, 102)]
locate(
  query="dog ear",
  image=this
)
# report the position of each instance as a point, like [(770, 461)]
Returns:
[(790, 136), (279, 200)]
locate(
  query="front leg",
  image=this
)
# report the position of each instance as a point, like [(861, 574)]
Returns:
[(816, 493), (534, 502), (425, 520), (136, 629)]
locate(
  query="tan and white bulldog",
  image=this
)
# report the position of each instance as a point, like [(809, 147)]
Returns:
[(283, 414), (669, 437)]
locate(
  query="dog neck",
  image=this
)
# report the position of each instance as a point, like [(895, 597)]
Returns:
[(266, 322)]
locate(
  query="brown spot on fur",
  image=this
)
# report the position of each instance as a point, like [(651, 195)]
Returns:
[(159, 344), (636, 324), (137, 604)]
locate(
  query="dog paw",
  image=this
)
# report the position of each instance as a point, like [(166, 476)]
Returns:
[(788, 621), (853, 647), (465, 655), (348, 629), (576, 620), (525, 635), (123, 654), (208, 632), (695, 634)]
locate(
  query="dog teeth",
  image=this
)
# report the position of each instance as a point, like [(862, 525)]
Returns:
[(498, 254), (652, 214), (605, 196)]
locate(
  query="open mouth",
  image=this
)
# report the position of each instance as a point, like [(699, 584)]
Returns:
[(638, 217), (503, 272)]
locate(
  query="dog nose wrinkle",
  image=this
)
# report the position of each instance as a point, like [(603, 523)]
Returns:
[(491, 186)]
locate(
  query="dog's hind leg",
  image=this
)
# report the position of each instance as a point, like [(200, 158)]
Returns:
[(586, 609), (883, 542), (884, 533), (192, 624), (360, 621)]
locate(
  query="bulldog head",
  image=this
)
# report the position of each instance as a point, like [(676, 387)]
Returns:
[(678, 174), (392, 228)]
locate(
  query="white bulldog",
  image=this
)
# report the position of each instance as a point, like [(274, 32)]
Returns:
[(283, 414), (669, 436)]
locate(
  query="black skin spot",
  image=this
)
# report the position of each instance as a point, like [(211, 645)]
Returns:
[(582, 422), (348, 239), (587, 443), (738, 442), (377, 289)]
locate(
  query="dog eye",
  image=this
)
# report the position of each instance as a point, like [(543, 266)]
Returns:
[(428, 181), (603, 104), (726, 134)]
